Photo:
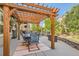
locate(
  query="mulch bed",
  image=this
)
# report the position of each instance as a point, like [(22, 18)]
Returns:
[(72, 44)]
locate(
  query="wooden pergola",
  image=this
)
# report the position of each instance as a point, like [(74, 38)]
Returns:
[(25, 13)]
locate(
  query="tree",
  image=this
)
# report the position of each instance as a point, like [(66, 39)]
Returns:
[(34, 27), (47, 25), (57, 27), (71, 19)]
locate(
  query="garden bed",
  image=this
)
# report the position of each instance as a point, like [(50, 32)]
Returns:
[(71, 43)]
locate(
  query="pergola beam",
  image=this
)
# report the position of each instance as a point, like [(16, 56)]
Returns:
[(23, 8)]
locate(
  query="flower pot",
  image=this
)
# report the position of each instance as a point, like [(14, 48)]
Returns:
[(55, 38)]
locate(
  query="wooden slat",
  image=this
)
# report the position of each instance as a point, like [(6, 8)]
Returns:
[(29, 14), (35, 18), (38, 6), (55, 10)]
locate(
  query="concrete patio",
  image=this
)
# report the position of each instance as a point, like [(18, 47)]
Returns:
[(61, 48)]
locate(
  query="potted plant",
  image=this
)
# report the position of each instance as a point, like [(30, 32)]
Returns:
[(55, 38)]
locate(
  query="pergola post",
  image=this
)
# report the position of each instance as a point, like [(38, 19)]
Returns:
[(18, 31), (52, 31), (6, 30)]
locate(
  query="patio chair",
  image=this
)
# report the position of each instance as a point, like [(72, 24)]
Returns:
[(24, 35), (34, 40)]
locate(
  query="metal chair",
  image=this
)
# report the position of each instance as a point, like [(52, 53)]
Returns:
[(25, 37), (34, 40)]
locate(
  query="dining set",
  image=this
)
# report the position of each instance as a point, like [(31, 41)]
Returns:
[(30, 38)]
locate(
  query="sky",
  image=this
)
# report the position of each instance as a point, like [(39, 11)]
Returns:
[(64, 7)]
